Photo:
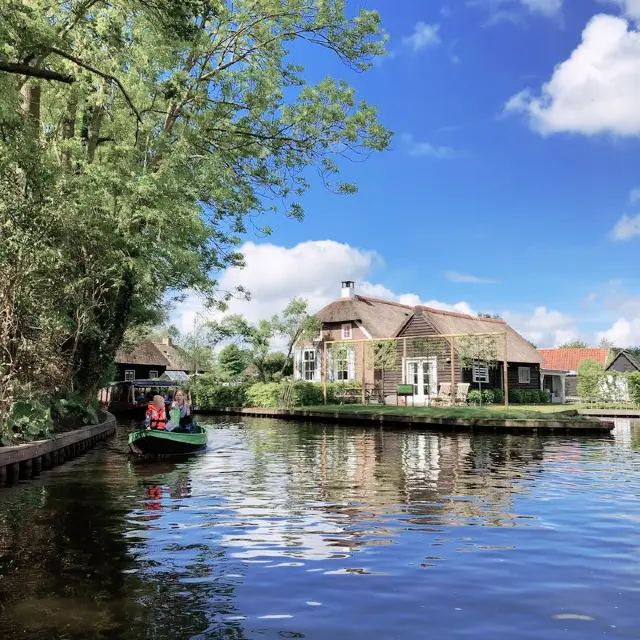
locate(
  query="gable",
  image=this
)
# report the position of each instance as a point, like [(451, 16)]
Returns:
[(623, 363)]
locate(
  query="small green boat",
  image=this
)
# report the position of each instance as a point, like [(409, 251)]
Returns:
[(167, 443)]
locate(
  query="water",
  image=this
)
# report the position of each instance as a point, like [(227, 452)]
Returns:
[(296, 531)]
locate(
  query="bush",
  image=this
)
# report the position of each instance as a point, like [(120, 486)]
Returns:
[(210, 395), (488, 396), (265, 395), (474, 396), (498, 396), (72, 410), (590, 375), (633, 384), (28, 419), (529, 396)]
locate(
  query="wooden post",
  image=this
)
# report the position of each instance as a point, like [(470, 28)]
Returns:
[(324, 373), (362, 359), (505, 372), (453, 372)]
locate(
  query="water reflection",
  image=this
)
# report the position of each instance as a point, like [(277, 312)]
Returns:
[(285, 530)]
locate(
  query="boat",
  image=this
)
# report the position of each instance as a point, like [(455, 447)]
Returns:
[(132, 397), (156, 442)]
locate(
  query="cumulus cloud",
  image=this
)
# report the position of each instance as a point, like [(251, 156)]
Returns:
[(630, 8), (548, 8), (512, 10), (467, 278), (596, 90), (623, 332), (424, 35), (626, 228), (545, 328), (417, 149), (634, 195)]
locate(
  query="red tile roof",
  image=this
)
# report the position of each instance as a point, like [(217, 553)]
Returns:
[(570, 359)]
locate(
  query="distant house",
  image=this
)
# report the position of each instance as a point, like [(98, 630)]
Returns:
[(567, 362), (624, 362), (143, 361), (177, 357), (353, 318)]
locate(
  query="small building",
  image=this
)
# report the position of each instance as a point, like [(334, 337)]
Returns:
[(177, 358), (143, 361), (624, 362), (420, 358), (564, 363)]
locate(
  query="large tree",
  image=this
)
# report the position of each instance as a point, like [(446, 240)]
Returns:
[(137, 139)]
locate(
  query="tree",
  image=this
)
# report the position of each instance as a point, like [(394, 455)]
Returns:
[(293, 324), (605, 343), (489, 315), (590, 377), (135, 139), (232, 362), (574, 344)]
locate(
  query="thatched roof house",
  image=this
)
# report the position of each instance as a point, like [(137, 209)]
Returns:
[(355, 318), (140, 362)]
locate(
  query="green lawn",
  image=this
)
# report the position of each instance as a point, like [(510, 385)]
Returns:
[(537, 412)]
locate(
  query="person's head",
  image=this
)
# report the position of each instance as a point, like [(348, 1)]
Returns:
[(158, 402), (179, 396)]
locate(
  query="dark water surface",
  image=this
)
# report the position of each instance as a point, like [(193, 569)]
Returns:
[(296, 531)]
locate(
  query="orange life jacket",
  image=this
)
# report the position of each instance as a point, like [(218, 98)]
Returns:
[(157, 417)]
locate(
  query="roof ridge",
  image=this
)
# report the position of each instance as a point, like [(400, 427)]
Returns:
[(456, 314), (380, 301)]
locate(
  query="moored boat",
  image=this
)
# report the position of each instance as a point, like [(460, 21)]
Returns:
[(167, 443)]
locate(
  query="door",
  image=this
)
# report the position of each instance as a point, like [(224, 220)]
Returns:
[(422, 373)]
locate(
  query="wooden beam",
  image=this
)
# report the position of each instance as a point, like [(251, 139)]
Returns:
[(324, 372), (362, 375), (505, 372), (453, 372)]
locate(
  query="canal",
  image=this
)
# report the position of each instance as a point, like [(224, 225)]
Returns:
[(302, 531)]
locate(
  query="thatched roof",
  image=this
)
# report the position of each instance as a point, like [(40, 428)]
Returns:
[(143, 353), (379, 317), (176, 357), (449, 322)]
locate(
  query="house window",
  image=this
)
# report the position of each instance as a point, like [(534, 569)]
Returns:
[(346, 331), (524, 375), (481, 373), (341, 367), (153, 374), (130, 374), (308, 364)]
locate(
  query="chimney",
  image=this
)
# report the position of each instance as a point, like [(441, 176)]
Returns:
[(166, 340), (348, 289)]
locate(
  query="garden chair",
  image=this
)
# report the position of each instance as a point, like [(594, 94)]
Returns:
[(462, 391), (444, 393)]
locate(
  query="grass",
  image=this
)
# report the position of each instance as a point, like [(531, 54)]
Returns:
[(496, 412)]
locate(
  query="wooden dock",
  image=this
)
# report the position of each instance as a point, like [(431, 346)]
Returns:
[(24, 461), (419, 422)]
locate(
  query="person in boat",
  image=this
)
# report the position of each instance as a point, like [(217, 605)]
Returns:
[(180, 402), (156, 417)]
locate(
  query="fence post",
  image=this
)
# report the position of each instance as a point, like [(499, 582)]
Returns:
[(453, 372), (505, 372), (362, 359), (324, 372)]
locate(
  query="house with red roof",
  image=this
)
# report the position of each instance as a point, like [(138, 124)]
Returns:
[(566, 362), (423, 348)]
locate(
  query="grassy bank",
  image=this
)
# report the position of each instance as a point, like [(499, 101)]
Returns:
[(542, 412)]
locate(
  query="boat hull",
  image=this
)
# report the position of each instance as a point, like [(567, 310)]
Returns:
[(167, 443)]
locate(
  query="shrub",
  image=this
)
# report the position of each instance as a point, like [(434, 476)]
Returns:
[(209, 395), (498, 396), (73, 410), (633, 383), (28, 419), (590, 375), (306, 394), (474, 396), (529, 396), (488, 396)]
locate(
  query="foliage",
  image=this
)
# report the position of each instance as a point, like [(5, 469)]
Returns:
[(138, 140), (73, 408), (498, 396), (590, 374), (232, 362), (574, 344), (294, 324), (605, 343), (474, 396), (529, 396), (339, 355), (263, 394), (28, 419), (494, 316), (486, 396), (382, 355), (478, 349), (633, 383), (212, 394)]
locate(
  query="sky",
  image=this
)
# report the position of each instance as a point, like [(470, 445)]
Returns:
[(512, 185)]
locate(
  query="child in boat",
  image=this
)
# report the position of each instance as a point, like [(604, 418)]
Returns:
[(156, 417), (180, 402)]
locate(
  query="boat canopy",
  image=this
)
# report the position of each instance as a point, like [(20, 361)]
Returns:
[(148, 384)]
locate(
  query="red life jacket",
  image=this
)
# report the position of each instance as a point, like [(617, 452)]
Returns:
[(158, 417)]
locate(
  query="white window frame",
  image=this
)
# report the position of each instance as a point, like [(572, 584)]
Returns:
[(347, 331), (129, 374), (480, 373), (524, 375), (153, 374), (306, 371)]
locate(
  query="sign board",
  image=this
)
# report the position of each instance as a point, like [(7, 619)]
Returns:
[(405, 390)]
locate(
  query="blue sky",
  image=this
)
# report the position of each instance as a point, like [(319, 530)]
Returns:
[(512, 167)]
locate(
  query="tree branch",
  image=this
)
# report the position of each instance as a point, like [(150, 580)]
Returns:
[(35, 72), (102, 74)]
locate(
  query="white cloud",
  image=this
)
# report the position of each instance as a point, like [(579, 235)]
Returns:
[(626, 228), (596, 90), (634, 195), (424, 35), (548, 8), (512, 10), (630, 8), (545, 328), (454, 276), (418, 149), (623, 333)]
